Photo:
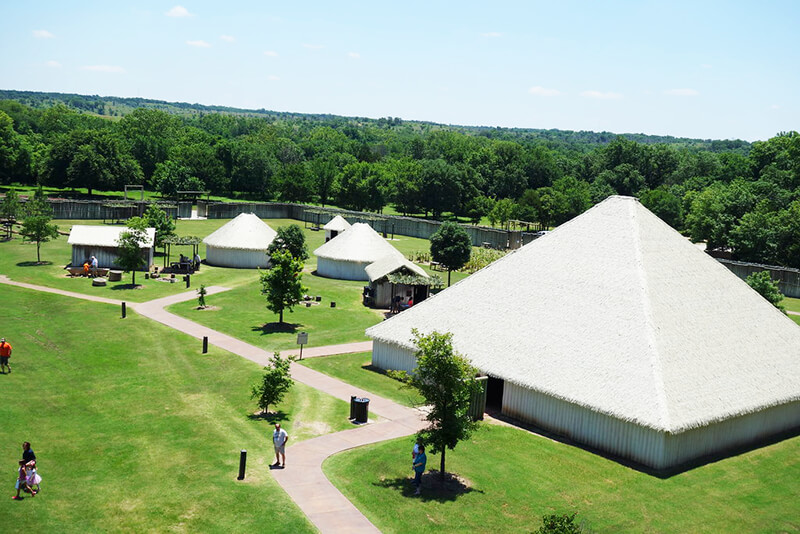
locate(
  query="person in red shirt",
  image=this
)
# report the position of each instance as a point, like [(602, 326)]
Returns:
[(5, 354)]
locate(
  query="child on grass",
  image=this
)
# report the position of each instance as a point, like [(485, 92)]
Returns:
[(22, 481)]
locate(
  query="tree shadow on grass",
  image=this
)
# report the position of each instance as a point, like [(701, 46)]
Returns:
[(271, 417), (433, 488), (126, 286), (276, 328), (34, 263)]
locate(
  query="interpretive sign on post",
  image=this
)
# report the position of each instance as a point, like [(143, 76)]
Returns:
[(302, 339)]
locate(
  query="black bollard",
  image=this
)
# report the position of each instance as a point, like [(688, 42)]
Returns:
[(187, 281), (333, 304), (242, 464), (124, 310), (205, 344)]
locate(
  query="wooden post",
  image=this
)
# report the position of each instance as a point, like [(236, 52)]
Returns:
[(242, 464), (205, 344), (124, 310)]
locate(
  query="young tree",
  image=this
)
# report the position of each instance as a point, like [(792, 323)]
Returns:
[(290, 238), (447, 382), (130, 251), (275, 383), (201, 296), (281, 284), (451, 247), (157, 218), (37, 223), (767, 288), (10, 208)]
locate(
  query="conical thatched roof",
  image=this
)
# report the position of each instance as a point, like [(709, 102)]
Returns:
[(245, 232), (358, 244), (617, 312), (337, 224)]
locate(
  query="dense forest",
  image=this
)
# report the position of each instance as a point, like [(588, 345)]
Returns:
[(732, 194)]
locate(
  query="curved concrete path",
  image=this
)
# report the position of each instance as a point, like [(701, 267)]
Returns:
[(303, 479)]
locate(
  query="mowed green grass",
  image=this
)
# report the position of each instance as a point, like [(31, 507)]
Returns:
[(356, 369), (135, 429), (514, 478), (791, 304)]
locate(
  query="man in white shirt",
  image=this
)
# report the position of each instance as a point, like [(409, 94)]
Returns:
[(279, 439)]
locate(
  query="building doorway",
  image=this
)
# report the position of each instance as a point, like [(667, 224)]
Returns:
[(494, 394)]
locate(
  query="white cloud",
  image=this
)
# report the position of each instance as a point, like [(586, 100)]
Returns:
[(492, 34), (601, 96), (53, 64), (774, 106), (103, 68), (178, 11), (273, 78), (42, 34), (681, 92), (270, 53), (313, 46), (201, 44), (227, 38), (542, 91), (354, 55)]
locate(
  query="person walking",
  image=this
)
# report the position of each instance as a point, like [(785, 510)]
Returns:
[(419, 467), (279, 439), (95, 265), (27, 452), (5, 354), (22, 481)]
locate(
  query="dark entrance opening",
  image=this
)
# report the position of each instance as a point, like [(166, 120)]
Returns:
[(494, 394)]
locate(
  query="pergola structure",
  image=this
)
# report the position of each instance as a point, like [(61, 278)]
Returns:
[(181, 241)]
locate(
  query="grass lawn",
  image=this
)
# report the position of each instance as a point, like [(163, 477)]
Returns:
[(356, 369), (135, 429), (791, 304), (515, 477)]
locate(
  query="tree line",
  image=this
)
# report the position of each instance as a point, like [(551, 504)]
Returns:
[(734, 195)]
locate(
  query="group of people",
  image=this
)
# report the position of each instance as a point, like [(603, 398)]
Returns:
[(398, 304), (28, 480), (90, 266), (190, 264)]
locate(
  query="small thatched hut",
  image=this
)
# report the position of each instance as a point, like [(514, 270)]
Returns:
[(393, 276), (335, 226), (102, 242), (241, 243), (346, 256), (616, 332)]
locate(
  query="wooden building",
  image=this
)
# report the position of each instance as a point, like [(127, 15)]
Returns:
[(102, 242)]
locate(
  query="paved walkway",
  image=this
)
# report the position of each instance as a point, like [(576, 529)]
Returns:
[(303, 479)]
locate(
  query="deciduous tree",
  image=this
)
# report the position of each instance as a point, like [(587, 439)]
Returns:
[(451, 247), (282, 283), (275, 384)]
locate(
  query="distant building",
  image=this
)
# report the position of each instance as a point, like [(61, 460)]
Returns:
[(384, 285), (335, 226), (103, 243), (616, 332), (241, 243)]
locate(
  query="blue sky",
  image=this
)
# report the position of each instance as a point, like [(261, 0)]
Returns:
[(707, 69)]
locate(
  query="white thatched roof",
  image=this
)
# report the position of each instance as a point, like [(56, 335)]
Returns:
[(389, 264), (337, 224), (358, 244), (104, 236), (617, 312), (245, 232)]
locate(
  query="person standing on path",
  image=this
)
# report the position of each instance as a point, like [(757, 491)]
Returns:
[(419, 467), (5, 354), (94, 266), (279, 439)]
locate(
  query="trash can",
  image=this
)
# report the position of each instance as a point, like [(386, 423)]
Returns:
[(361, 410)]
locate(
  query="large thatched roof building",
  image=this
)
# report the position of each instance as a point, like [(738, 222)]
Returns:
[(347, 255), (103, 242), (617, 332), (241, 243)]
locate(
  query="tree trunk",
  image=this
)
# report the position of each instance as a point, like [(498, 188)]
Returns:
[(441, 464), (38, 257), (280, 317), (448, 277), (133, 277)]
